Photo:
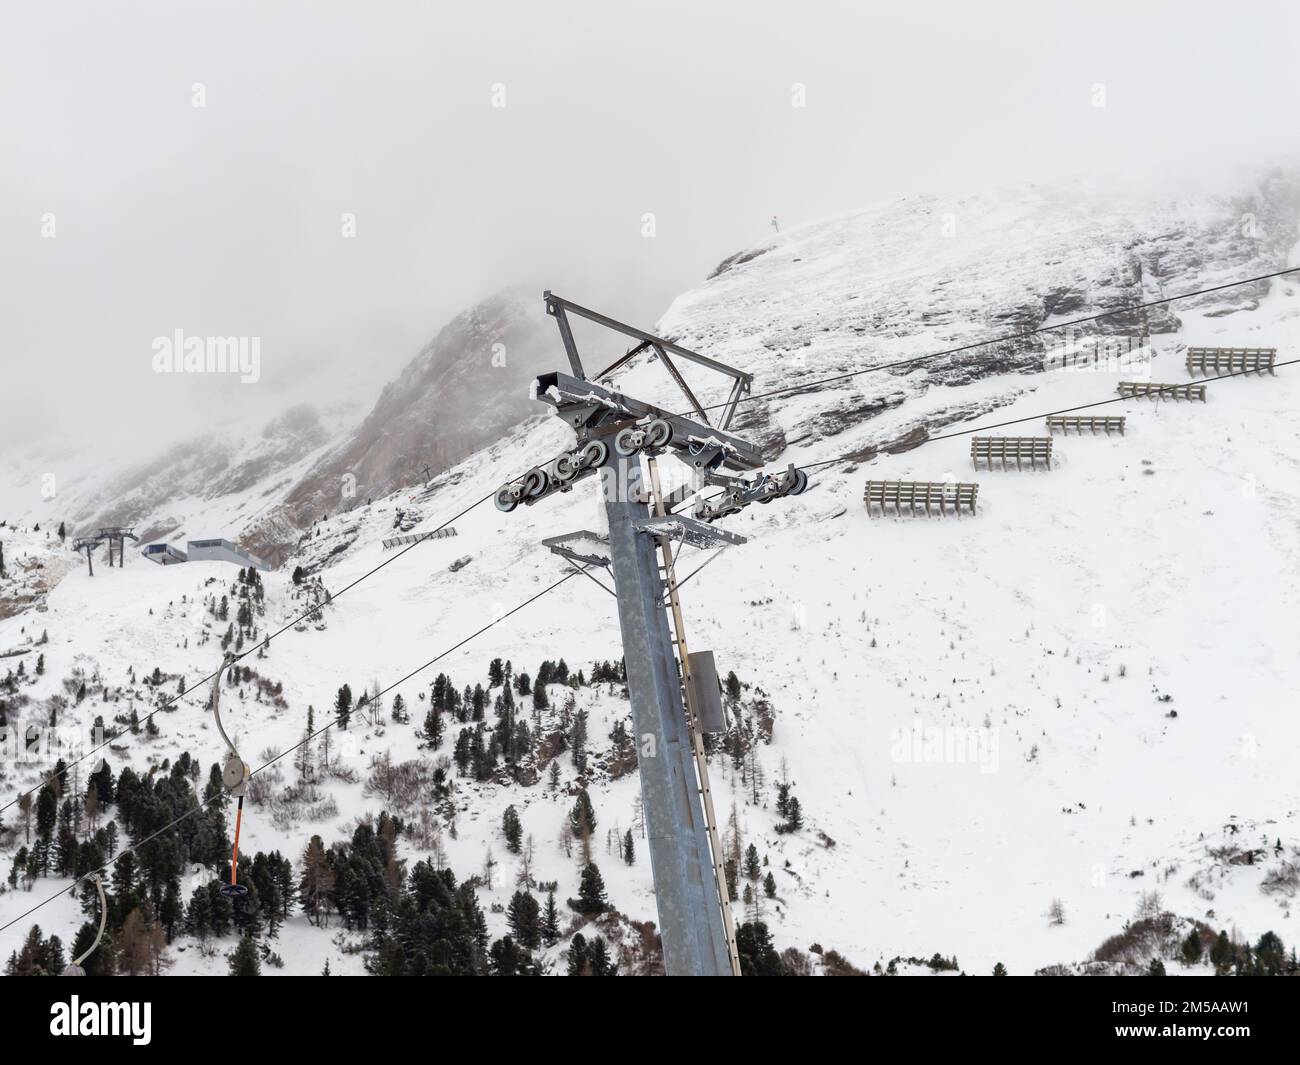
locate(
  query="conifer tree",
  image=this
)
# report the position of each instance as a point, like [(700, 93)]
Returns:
[(432, 731), (38, 956), (591, 892), (578, 741), (244, 960), (582, 817), (550, 921), (577, 955), (758, 957), (507, 958), (523, 915), (102, 961), (461, 752), (513, 830), (1221, 952), (1270, 954), (598, 958)]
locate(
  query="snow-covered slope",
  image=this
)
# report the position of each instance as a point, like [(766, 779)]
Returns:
[(915, 276), (1095, 668)]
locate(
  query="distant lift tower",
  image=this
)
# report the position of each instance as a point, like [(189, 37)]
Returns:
[(117, 534), (674, 694), (88, 545)]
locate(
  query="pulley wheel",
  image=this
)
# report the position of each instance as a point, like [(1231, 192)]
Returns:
[(505, 499), (628, 441), (658, 433), (566, 468), (534, 483), (593, 454)]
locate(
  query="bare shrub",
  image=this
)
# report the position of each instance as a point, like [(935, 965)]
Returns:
[(1284, 880), (1141, 940), (400, 785), (836, 964), (425, 829), (325, 810), (263, 787)]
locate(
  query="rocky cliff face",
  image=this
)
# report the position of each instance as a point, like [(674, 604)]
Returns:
[(466, 388)]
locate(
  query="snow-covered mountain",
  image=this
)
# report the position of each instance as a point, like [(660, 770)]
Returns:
[(212, 478), (922, 274), (466, 387), (1080, 694)]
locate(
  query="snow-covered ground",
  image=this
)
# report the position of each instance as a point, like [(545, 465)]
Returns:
[(1105, 647)]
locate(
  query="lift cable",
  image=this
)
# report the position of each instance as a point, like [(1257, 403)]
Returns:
[(1006, 338), (198, 685), (204, 804)]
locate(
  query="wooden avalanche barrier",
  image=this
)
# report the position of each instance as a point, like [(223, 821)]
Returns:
[(1231, 360), (944, 496), (1008, 449), (1152, 390), (410, 538), (1063, 423)]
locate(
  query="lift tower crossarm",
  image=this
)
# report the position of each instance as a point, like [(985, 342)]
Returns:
[(560, 309), (556, 303)]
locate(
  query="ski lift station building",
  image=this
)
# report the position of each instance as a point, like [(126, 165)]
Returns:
[(223, 551), (164, 554), (203, 551)]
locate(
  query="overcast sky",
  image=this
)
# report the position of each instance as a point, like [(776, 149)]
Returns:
[(226, 219)]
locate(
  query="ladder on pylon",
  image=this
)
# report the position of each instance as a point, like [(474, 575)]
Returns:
[(668, 569)]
